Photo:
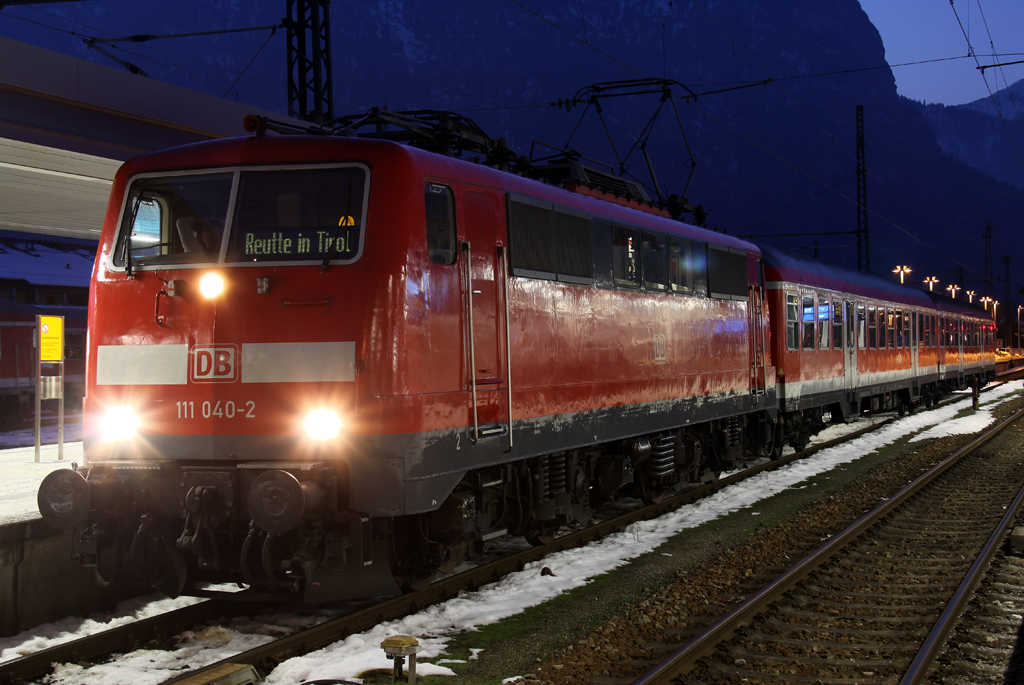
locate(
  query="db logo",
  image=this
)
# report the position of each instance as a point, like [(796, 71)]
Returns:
[(214, 363)]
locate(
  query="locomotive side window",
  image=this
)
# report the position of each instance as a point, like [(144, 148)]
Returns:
[(792, 321), (287, 215), (727, 274), (680, 260), (173, 219), (808, 321), (837, 324), (440, 211), (550, 242), (655, 261), (861, 327), (823, 323), (626, 256)]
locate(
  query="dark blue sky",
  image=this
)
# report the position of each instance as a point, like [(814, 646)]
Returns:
[(915, 30), (912, 30)]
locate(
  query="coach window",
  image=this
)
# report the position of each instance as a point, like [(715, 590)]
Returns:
[(626, 256), (899, 328), (872, 329), (823, 323), (792, 321), (808, 320), (655, 259), (861, 326), (680, 263), (837, 324), (440, 206), (890, 322)]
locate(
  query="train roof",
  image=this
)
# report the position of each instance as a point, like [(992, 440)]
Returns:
[(296, 149), (947, 304), (784, 266)]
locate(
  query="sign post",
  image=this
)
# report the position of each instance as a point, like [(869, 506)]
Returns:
[(50, 343)]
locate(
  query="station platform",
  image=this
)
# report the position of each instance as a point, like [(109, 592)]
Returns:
[(38, 581), (20, 475)]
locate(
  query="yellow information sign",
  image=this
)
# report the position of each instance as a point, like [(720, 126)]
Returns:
[(51, 338)]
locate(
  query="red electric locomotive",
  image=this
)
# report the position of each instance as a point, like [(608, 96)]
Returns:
[(326, 366)]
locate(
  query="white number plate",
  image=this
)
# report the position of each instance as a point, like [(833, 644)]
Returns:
[(217, 409)]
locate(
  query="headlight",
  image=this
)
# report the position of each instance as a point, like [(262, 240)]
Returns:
[(322, 424), (120, 423), (211, 285)]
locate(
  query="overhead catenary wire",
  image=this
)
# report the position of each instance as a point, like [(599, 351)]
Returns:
[(970, 50), (829, 135), (767, 150)]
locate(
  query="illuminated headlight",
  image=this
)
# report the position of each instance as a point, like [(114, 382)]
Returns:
[(120, 423), (211, 285), (322, 424)]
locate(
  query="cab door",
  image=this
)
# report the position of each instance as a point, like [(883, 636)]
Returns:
[(482, 274)]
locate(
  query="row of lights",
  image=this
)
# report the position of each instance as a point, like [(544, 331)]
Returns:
[(953, 289)]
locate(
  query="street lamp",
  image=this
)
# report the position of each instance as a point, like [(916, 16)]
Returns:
[(931, 281), (970, 296), (985, 301), (902, 271), (952, 290)]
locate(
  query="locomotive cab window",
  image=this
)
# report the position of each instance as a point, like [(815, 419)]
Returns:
[(289, 215), (173, 219), (440, 215)]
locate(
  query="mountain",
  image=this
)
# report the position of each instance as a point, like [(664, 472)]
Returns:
[(983, 136), (772, 130)]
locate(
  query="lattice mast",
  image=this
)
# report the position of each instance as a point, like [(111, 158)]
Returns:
[(310, 90)]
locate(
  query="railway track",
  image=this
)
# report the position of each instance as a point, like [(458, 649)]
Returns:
[(875, 603), (160, 629)]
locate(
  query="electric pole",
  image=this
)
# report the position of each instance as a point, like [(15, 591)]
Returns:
[(310, 93), (863, 245)]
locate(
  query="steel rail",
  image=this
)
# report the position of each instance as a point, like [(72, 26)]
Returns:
[(126, 637), (265, 657), (936, 639), (684, 659), (119, 639)]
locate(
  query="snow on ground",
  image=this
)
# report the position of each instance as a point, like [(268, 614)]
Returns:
[(435, 625)]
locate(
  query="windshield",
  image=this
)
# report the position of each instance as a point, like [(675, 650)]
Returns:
[(305, 214), (174, 219), (280, 215)]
